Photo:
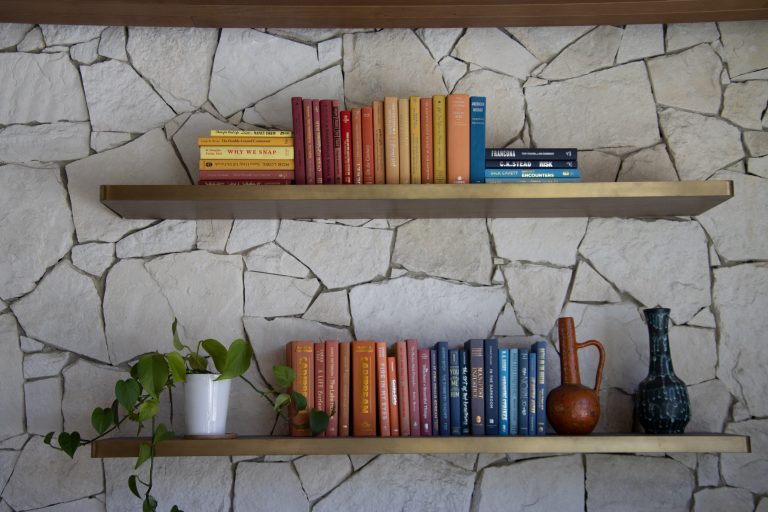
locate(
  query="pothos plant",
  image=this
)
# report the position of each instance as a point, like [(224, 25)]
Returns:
[(137, 401)]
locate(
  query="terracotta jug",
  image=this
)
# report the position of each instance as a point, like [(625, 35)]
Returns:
[(574, 409)]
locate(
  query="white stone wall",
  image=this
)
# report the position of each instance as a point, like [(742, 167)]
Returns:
[(83, 292)]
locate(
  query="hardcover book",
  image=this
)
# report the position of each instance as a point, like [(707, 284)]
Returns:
[(357, 146), (297, 115), (491, 359), (337, 165), (454, 392), (531, 154), (425, 394), (300, 357), (522, 399), (391, 140), (503, 391), (427, 149), (326, 140), (443, 388), (394, 413), (434, 391), (464, 391), (367, 138), (345, 119), (244, 182), (439, 140), (540, 347), (247, 165), (475, 354), (531, 164), (457, 137), (317, 137), (332, 386), (379, 165), (476, 139), (309, 143), (247, 141), (207, 175), (412, 350), (403, 117), (382, 388), (320, 403), (345, 377), (532, 369), (415, 127), (403, 396), (245, 153), (253, 133), (532, 173), (364, 388), (514, 357)]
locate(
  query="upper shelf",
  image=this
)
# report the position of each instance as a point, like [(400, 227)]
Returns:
[(376, 13), (624, 199)]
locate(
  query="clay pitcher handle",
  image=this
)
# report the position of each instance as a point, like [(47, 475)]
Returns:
[(601, 362)]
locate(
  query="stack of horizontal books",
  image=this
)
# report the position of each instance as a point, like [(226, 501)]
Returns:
[(531, 165)]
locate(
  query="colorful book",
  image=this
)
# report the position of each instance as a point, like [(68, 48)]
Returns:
[(464, 391), (403, 396), (391, 140), (476, 139), (503, 391), (491, 360), (345, 377), (454, 393), (415, 139), (207, 175), (247, 165), (412, 350), (317, 137), (513, 390), (357, 146), (364, 388), (532, 180), (443, 388), (379, 165), (309, 143), (367, 144), (394, 413), (427, 149), (475, 358), (439, 140), (252, 133), (532, 173), (247, 141), (531, 164), (540, 347), (300, 357), (297, 116), (245, 153), (337, 165), (382, 387), (434, 391), (345, 120), (531, 154), (425, 392), (457, 137), (522, 398), (320, 397), (532, 369), (332, 386), (404, 139)]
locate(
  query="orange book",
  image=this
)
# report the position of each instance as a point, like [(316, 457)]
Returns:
[(367, 137), (391, 141), (332, 386), (404, 139), (383, 385), (415, 140), (427, 148), (245, 141), (402, 389), (379, 167), (357, 146), (320, 401), (394, 414), (457, 136), (309, 142), (363, 388), (300, 357), (344, 389)]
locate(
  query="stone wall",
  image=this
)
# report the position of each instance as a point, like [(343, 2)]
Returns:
[(84, 292)]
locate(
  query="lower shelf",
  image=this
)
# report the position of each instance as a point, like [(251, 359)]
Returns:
[(601, 443)]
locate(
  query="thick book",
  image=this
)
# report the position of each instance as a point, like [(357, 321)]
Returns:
[(532, 358), (457, 137), (514, 356), (297, 116), (503, 391), (427, 149), (532, 173), (531, 154), (414, 397), (332, 386), (316, 128), (404, 139), (345, 376), (434, 391), (425, 392), (443, 388), (364, 388), (300, 357), (246, 175), (391, 141), (367, 139), (245, 153), (415, 138), (357, 146), (491, 359), (522, 398), (379, 165), (252, 133), (248, 141), (438, 139), (247, 165), (476, 139), (382, 388), (475, 354), (540, 347), (394, 413), (531, 164), (464, 391), (454, 392), (532, 180), (403, 396), (337, 166), (320, 381), (309, 143), (345, 119)]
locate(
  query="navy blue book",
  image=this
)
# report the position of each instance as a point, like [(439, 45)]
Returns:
[(503, 391), (491, 354), (464, 391), (530, 154), (476, 139), (531, 164), (476, 386), (514, 377), (540, 347), (533, 173), (443, 388), (522, 384), (455, 394), (433, 386), (532, 393)]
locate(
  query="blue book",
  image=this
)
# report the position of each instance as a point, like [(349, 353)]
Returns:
[(476, 139), (491, 356), (532, 180), (455, 397), (513, 387), (503, 391), (522, 401), (533, 173), (540, 347), (464, 391), (475, 359), (443, 388), (433, 386), (531, 153), (532, 393), (527, 165)]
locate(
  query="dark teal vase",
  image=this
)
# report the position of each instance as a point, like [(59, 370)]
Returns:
[(663, 406)]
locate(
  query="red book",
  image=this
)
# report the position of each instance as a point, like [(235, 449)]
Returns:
[(402, 389), (309, 143), (332, 386), (298, 139), (427, 146), (382, 388), (346, 146), (412, 350), (364, 388), (337, 169), (367, 132), (246, 175), (425, 392), (244, 182), (326, 137), (320, 378), (316, 128), (357, 146), (379, 167), (300, 357), (344, 389), (394, 414)]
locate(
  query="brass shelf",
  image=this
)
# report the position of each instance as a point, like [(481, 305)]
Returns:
[(624, 199), (599, 443)]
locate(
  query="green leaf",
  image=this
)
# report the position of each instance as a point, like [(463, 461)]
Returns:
[(299, 400), (318, 421), (132, 486), (48, 437), (198, 362), (178, 368), (284, 375), (218, 353), (101, 419), (69, 442), (177, 344), (176, 509), (152, 373), (115, 413), (148, 409), (161, 434), (238, 360), (145, 452), (149, 505), (127, 393), (281, 401)]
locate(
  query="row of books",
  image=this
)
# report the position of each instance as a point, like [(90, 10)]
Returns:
[(399, 140), (241, 157), (478, 389), (531, 165)]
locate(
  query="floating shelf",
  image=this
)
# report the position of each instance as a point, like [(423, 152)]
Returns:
[(376, 13), (625, 199), (611, 443)]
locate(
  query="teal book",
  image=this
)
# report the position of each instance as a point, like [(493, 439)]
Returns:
[(477, 139), (522, 400), (540, 347), (532, 393), (503, 391), (513, 387)]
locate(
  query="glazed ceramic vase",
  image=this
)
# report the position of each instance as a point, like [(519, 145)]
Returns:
[(663, 406), (205, 404), (572, 408)]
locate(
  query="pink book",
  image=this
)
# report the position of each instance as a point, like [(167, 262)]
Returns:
[(425, 392), (412, 348), (298, 140)]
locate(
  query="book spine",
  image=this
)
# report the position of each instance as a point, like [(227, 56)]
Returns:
[(425, 395), (531, 164), (404, 141), (245, 153), (246, 175), (532, 180), (443, 388), (394, 413), (243, 182), (367, 139), (532, 358), (427, 149), (434, 392), (320, 382), (476, 386), (391, 141), (301, 359), (415, 127), (532, 173), (513, 390), (309, 143), (248, 141), (531, 154), (412, 350), (503, 391), (402, 389), (364, 389), (522, 399), (247, 165), (346, 146), (298, 139), (337, 165), (439, 141), (476, 139), (332, 386), (326, 130), (345, 369), (464, 391), (454, 394), (382, 387), (379, 165), (252, 133), (357, 146), (541, 387), (491, 355), (457, 137), (317, 137)]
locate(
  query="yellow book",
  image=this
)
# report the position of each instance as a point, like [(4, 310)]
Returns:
[(244, 153), (245, 141), (246, 165), (438, 138), (415, 139), (403, 116), (251, 133)]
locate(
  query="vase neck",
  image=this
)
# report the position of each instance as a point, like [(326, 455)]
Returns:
[(658, 337), (569, 360)]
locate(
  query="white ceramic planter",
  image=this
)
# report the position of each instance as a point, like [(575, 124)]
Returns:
[(205, 404)]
